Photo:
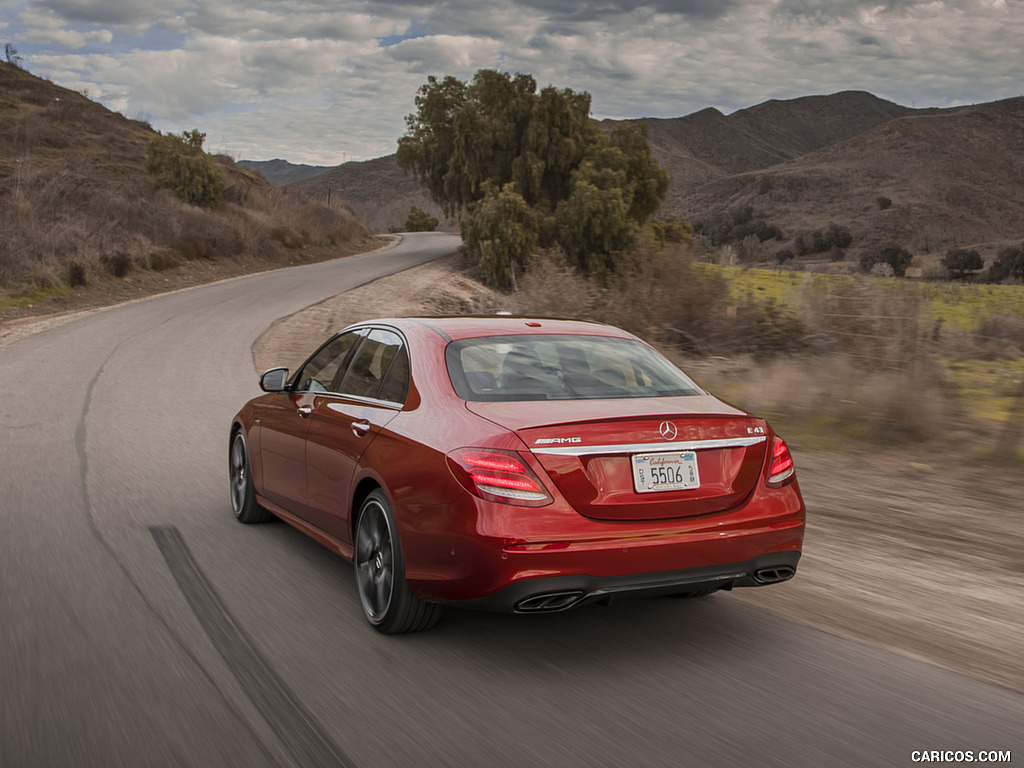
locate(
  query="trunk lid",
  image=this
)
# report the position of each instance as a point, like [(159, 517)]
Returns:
[(591, 460)]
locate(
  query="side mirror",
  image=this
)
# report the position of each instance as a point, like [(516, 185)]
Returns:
[(274, 380)]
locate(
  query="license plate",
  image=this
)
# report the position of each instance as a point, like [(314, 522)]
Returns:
[(665, 471)]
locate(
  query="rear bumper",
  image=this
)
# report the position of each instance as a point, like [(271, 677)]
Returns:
[(559, 593), (490, 556)]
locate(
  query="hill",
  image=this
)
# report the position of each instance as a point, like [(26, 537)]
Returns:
[(928, 179), (280, 172), (379, 192), (81, 222)]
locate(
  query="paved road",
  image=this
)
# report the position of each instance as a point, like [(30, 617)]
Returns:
[(140, 625)]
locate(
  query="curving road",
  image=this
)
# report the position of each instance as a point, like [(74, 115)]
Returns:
[(140, 625)]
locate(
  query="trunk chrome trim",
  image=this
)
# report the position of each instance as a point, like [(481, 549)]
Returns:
[(684, 445)]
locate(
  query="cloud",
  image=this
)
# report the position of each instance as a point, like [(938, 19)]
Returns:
[(320, 80), (568, 10), (444, 53), (115, 12), (47, 28), (314, 23)]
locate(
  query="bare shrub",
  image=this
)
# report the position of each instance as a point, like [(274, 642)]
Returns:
[(551, 288), (868, 320), (162, 260), (833, 400), (665, 297), (118, 264), (1000, 337), (76, 275), (286, 236), (191, 247)]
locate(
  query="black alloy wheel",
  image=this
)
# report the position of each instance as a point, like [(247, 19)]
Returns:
[(388, 604), (243, 495)]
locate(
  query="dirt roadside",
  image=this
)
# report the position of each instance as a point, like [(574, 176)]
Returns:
[(908, 552)]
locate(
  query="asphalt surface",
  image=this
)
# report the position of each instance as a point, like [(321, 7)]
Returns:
[(141, 625)]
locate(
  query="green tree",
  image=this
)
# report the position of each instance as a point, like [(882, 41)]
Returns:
[(500, 233), (960, 261), (587, 190), (594, 220), (179, 164)]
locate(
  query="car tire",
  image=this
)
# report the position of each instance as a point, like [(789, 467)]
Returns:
[(388, 604), (243, 495)]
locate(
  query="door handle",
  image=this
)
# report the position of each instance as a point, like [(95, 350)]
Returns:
[(305, 410), (360, 428)]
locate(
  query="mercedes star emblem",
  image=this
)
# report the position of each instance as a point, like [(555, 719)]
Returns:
[(668, 430)]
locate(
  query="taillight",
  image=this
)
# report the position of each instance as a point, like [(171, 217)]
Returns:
[(498, 475), (781, 469)]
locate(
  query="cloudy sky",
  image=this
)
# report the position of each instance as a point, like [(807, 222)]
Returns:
[(324, 81)]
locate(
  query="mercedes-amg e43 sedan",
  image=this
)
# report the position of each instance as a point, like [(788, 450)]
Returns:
[(514, 464)]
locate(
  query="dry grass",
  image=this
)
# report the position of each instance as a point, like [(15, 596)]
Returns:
[(78, 211)]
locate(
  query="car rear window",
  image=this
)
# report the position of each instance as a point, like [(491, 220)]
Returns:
[(561, 367)]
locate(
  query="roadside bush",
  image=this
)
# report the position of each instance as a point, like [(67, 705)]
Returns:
[(117, 264), (76, 275), (417, 221), (884, 203), (179, 164)]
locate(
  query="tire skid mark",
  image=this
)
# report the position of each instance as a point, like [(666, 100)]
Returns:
[(97, 534), (302, 736)]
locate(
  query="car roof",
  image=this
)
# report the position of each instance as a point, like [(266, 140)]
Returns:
[(457, 327)]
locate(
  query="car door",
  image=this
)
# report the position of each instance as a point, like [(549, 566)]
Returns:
[(343, 425), (284, 423)]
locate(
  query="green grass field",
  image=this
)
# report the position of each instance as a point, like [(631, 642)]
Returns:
[(959, 306)]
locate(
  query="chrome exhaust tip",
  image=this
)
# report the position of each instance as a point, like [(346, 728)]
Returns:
[(549, 602), (774, 575)]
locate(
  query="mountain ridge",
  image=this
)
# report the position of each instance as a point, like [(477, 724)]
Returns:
[(928, 178)]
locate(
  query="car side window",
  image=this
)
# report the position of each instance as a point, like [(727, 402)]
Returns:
[(322, 372), (371, 364), (396, 381)]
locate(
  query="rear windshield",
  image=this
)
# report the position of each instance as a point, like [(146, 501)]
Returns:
[(561, 368)]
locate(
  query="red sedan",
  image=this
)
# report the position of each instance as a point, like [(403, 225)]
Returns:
[(514, 464)]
